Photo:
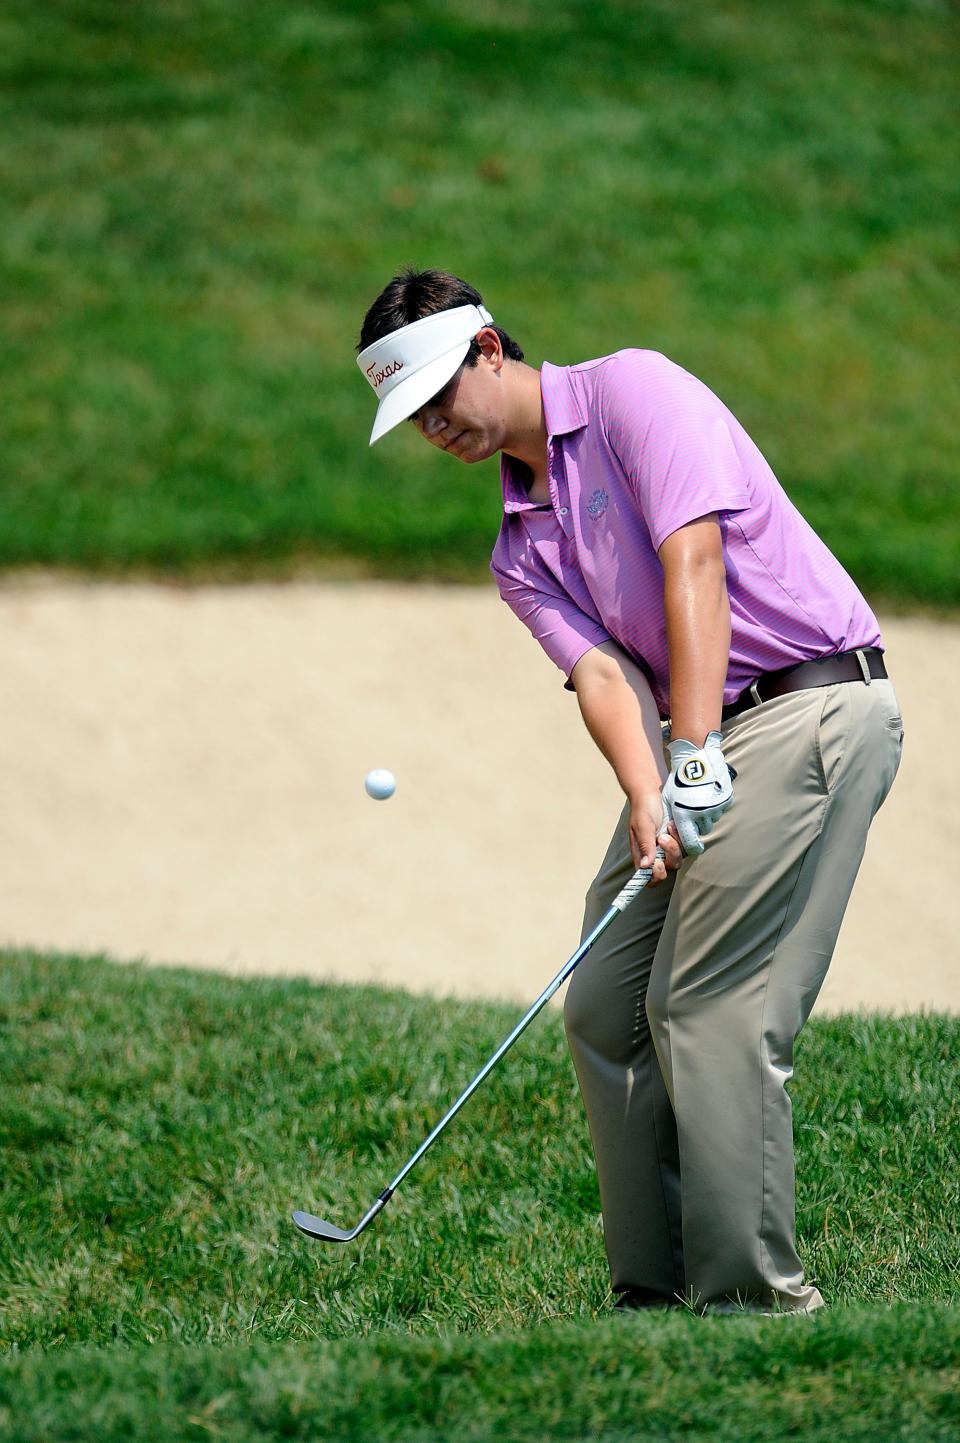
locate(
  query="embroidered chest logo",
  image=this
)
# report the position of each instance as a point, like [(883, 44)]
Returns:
[(598, 502)]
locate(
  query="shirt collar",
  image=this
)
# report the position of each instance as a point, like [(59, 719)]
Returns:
[(563, 413), (561, 404)]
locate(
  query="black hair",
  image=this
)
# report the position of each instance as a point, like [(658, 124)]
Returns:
[(413, 294)]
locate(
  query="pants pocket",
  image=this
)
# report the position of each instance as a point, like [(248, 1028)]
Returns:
[(832, 734)]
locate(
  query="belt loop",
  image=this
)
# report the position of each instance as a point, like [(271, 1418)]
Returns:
[(864, 668), (755, 692)]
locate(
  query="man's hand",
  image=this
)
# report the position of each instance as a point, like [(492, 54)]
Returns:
[(698, 790), (648, 830)]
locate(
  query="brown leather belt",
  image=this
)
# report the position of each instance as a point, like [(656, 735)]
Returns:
[(864, 664)]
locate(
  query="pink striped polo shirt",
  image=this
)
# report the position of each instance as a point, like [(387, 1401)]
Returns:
[(637, 447)]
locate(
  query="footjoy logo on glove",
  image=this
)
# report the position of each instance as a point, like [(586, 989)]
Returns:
[(693, 771)]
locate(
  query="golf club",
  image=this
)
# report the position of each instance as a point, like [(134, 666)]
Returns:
[(315, 1227)]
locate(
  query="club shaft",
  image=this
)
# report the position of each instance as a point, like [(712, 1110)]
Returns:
[(316, 1227), (506, 1044)]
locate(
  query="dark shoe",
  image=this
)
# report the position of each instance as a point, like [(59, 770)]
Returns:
[(639, 1300)]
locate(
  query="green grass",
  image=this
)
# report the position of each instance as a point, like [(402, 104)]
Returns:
[(892, 1374), (157, 1127), (198, 202)]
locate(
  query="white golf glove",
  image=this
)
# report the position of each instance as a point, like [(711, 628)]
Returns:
[(698, 790)]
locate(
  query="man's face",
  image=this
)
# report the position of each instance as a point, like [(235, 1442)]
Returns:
[(464, 418)]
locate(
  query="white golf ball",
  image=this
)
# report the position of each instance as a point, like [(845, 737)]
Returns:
[(380, 784)]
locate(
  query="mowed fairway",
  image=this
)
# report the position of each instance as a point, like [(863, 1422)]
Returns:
[(197, 203)]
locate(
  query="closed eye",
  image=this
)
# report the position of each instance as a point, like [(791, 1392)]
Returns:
[(442, 396)]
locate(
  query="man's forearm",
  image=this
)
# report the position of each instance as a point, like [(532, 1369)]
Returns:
[(697, 612), (621, 716)]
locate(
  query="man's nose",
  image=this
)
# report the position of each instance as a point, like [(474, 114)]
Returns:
[(433, 423)]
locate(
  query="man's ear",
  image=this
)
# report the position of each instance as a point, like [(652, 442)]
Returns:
[(490, 347)]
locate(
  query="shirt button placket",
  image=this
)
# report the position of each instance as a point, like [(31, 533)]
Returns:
[(559, 489)]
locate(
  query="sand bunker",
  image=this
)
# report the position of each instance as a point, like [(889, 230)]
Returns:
[(183, 780)]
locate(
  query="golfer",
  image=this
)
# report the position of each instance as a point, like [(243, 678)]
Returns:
[(733, 676)]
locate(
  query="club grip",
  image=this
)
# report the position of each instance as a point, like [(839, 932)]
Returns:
[(636, 884)]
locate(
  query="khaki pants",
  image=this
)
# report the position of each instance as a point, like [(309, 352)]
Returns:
[(682, 1018)]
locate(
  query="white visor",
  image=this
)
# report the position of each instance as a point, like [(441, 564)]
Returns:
[(408, 367)]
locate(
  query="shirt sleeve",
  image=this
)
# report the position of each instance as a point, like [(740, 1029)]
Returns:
[(565, 632), (675, 441)]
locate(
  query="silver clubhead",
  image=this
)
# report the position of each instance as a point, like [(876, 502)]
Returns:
[(317, 1228)]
